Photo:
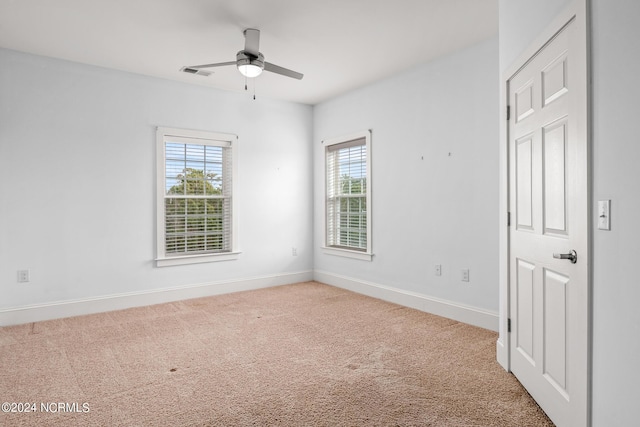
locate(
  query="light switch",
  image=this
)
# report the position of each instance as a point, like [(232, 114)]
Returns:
[(604, 214)]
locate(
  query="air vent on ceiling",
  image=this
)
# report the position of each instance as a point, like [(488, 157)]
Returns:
[(196, 71)]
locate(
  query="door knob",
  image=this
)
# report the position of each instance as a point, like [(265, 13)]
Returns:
[(571, 256)]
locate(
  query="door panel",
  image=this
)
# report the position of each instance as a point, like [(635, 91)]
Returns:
[(554, 80), (524, 183), (524, 101), (554, 140), (555, 334), (524, 289)]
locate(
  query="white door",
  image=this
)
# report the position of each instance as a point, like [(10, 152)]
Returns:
[(548, 199)]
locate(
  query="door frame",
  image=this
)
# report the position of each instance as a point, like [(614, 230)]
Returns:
[(577, 11)]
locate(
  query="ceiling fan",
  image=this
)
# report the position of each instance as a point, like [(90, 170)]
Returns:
[(250, 61)]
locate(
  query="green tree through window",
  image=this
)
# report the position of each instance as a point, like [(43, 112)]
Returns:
[(196, 209), (352, 228)]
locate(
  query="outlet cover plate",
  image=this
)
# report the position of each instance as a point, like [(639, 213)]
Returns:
[(24, 276)]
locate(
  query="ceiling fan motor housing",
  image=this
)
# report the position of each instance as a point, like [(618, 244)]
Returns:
[(244, 58)]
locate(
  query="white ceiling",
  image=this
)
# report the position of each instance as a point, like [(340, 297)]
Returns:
[(339, 45)]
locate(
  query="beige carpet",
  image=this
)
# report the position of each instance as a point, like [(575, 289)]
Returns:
[(298, 355)]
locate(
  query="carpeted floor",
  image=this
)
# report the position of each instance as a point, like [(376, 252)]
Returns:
[(298, 355)]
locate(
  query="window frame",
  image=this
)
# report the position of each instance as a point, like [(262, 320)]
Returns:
[(164, 135), (327, 248)]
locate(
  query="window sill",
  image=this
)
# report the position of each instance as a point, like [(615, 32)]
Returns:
[(364, 256), (196, 259)]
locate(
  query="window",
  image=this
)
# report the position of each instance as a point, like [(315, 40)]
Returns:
[(195, 207), (348, 196)]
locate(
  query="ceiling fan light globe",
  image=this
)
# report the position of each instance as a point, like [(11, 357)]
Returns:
[(250, 70)]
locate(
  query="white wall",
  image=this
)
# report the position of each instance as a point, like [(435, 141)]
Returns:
[(434, 178), (615, 174), (77, 182), (616, 157)]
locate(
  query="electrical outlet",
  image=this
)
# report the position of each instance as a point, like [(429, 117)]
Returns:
[(465, 274), (438, 270), (23, 276), (294, 251)]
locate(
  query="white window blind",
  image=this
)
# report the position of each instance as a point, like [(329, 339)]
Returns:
[(197, 194), (346, 202)]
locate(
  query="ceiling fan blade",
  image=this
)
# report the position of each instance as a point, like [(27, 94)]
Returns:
[(283, 71), (252, 41), (198, 67)]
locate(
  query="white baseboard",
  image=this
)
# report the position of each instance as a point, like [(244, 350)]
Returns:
[(60, 309), (452, 310)]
